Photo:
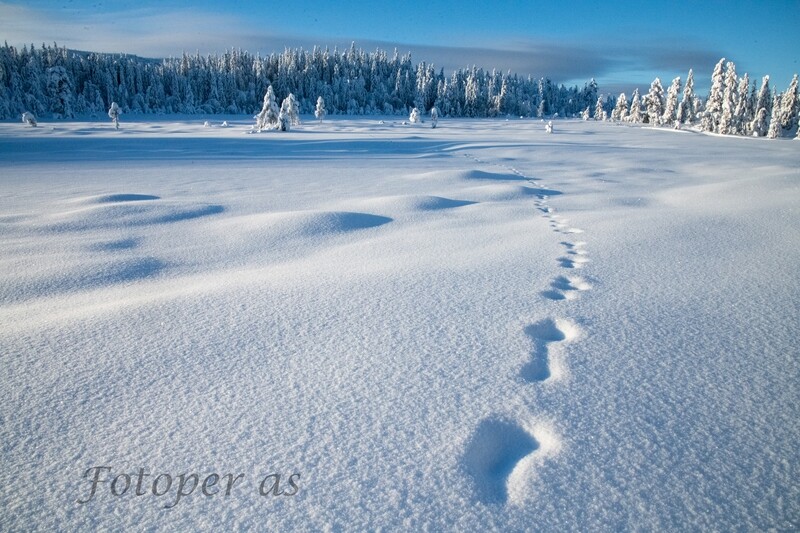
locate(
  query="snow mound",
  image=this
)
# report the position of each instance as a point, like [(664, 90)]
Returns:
[(116, 198), (129, 213), (406, 203), (493, 176), (503, 192), (304, 223)]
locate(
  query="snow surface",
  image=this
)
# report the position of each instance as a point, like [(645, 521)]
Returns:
[(478, 326)]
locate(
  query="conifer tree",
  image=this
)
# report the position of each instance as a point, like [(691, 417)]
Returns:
[(729, 101), (713, 111), (319, 111), (620, 111), (686, 109), (654, 102), (269, 117), (790, 106), (774, 131), (671, 107), (635, 114), (598, 108)]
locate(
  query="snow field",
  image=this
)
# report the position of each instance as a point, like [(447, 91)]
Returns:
[(481, 326)]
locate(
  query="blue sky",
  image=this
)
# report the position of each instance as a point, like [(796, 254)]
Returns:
[(622, 44)]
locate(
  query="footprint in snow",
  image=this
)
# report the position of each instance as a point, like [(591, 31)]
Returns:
[(493, 454), (542, 334), (566, 287)]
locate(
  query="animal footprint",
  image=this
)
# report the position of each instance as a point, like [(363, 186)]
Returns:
[(494, 452), (542, 334)]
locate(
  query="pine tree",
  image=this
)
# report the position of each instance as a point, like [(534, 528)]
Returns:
[(774, 131), (743, 115), (764, 97), (269, 117), (319, 111), (713, 111), (59, 88), (434, 117), (654, 102), (671, 108), (414, 116), (598, 108), (635, 114), (759, 125), (729, 101), (113, 113), (620, 111), (790, 106), (686, 110)]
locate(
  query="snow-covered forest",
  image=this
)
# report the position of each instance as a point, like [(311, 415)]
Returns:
[(57, 82)]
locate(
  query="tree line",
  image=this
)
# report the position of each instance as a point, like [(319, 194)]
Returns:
[(58, 82)]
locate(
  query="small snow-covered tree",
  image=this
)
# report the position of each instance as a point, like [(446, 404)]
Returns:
[(113, 113), (548, 128), (292, 111), (670, 115), (654, 102), (319, 111), (759, 125), (598, 108), (775, 120), (414, 117), (686, 109), (269, 117), (713, 112), (284, 118), (434, 117), (586, 114), (29, 119), (620, 111), (635, 114)]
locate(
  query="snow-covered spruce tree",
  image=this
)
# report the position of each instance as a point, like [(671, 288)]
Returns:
[(269, 117), (113, 113), (620, 111), (743, 113), (727, 121), (434, 117), (686, 109), (414, 117), (670, 115), (292, 111), (775, 129), (790, 106), (59, 89), (635, 114), (319, 111), (764, 97), (586, 114), (29, 119), (284, 116), (654, 102), (713, 112), (598, 108), (759, 125)]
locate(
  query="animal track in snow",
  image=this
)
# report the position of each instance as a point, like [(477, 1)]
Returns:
[(543, 333)]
